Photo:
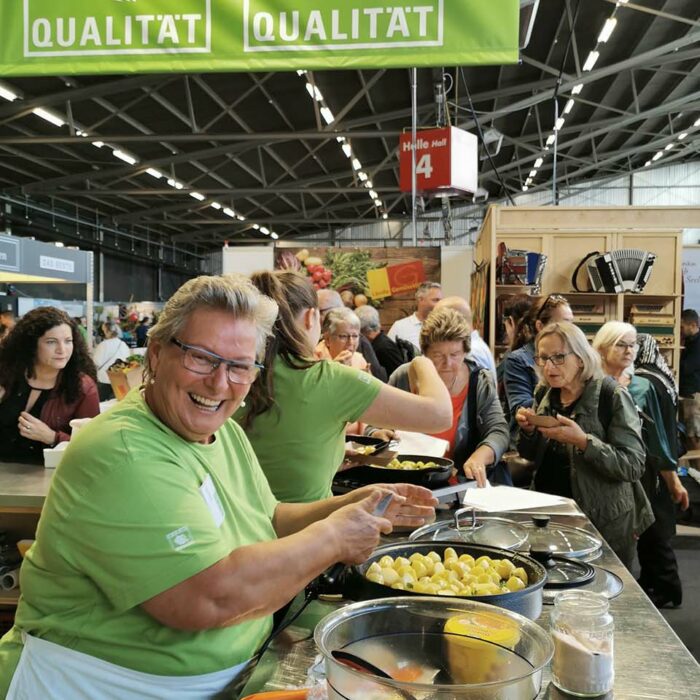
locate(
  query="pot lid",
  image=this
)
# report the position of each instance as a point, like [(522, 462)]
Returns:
[(467, 527), (564, 573), (604, 581), (544, 536)]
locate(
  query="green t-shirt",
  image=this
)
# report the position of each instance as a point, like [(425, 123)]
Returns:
[(125, 519), (300, 441)]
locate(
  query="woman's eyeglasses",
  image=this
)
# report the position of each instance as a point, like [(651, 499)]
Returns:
[(557, 359), (552, 301), (202, 361), (344, 337), (621, 345)]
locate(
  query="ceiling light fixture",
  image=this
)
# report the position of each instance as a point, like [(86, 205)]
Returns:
[(347, 150), (124, 156), (7, 94), (569, 106), (197, 195), (591, 60), (154, 173), (274, 235), (576, 89), (215, 205), (551, 139), (327, 115), (559, 124), (533, 173), (657, 155), (49, 116), (538, 162), (607, 30), (668, 147), (682, 136), (229, 212), (265, 230), (356, 164)]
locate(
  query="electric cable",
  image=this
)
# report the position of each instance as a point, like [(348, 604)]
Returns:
[(481, 138)]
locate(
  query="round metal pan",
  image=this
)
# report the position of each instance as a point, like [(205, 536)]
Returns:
[(431, 477), (527, 602)]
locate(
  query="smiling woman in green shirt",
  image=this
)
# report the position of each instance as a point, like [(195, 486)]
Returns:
[(161, 551), (296, 415)]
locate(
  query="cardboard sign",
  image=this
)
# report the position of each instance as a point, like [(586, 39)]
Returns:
[(446, 159), (395, 279)]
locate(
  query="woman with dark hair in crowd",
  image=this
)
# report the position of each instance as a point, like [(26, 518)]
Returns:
[(642, 369), (296, 413), (47, 378), (519, 374)]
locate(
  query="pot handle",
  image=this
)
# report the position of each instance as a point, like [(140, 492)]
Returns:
[(462, 511)]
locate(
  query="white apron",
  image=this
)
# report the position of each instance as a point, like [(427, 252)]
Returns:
[(52, 672)]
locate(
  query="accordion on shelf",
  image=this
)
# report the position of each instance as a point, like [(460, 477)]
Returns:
[(624, 270)]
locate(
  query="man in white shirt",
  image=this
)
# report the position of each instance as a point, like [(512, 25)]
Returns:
[(480, 352), (427, 296)]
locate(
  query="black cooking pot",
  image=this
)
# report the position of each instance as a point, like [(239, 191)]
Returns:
[(430, 477), (528, 601)]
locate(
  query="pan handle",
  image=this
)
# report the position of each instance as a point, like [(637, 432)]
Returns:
[(462, 511)]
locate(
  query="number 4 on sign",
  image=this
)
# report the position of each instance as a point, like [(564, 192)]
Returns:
[(424, 166)]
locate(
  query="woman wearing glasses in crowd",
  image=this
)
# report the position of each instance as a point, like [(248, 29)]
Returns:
[(519, 372), (597, 465), (340, 333), (157, 562), (296, 413), (618, 347), (478, 435)]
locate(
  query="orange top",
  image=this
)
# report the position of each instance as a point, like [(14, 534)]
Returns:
[(450, 433)]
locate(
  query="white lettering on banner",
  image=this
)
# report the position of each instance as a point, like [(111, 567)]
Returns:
[(59, 264), (423, 144), (92, 35), (342, 28)]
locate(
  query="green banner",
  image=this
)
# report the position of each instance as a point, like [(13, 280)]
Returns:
[(49, 37)]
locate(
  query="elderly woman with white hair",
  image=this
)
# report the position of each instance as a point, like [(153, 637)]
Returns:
[(594, 451), (617, 343), (340, 338)]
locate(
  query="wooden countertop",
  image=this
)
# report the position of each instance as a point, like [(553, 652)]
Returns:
[(23, 487)]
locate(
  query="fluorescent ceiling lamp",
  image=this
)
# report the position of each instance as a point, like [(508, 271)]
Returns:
[(525, 188), (551, 139), (538, 163), (216, 205), (265, 230), (657, 155), (327, 115), (154, 173), (362, 175), (682, 136), (356, 164), (559, 124), (647, 164), (314, 92), (373, 194), (378, 203), (696, 122), (669, 146), (197, 195), (301, 72), (369, 185), (256, 227), (576, 89), (174, 183), (347, 150), (607, 30), (340, 139), (528, 181), (532, 174), (274, 235), (385, 215), (229, 212), (124, 156), (590, 61), (48, 116), (98, 144), (7, 94), (240, 217), (569, 106)]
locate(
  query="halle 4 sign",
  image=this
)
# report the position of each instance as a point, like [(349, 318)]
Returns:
[(446, 159)]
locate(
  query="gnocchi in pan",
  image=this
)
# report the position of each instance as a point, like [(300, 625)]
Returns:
[(451, 575)]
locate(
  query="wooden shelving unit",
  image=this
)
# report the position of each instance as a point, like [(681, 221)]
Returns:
[(566, 235)]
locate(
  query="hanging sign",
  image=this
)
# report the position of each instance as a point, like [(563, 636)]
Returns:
[(46, 37), (395, 279), (446, 159)]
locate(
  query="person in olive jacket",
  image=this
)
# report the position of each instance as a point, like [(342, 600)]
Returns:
[(598, 465)]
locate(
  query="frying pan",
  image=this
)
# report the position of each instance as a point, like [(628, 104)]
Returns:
[(431, 477)]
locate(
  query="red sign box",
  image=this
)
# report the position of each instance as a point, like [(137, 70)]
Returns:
[(405, 276), (446, 158)]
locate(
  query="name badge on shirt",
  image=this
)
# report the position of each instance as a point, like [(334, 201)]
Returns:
[(211, 498)]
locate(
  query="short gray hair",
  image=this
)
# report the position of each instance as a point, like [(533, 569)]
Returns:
[(572, 336), (369, 318), (337, 316), (234, 293), (425, 287)]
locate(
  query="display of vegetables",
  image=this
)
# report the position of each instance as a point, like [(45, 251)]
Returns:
[(452, 576)]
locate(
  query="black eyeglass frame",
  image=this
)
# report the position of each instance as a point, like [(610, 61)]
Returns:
[(218, 361), (550, 358)]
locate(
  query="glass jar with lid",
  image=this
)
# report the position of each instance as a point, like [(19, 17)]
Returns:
[(582, 631)]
